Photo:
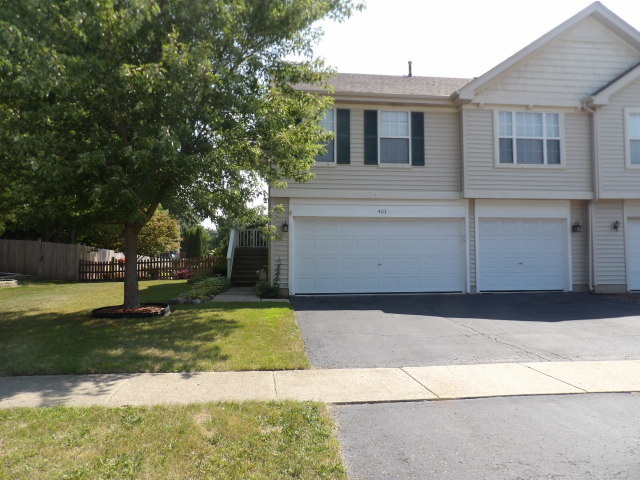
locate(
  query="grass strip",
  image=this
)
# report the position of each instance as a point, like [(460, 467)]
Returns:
[(284, 440)]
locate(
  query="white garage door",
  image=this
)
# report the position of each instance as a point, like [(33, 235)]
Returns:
[(378, 255), (516, 254), (633, 251)]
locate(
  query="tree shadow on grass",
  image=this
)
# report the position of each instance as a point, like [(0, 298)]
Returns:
[(163, 292), (33, 343)]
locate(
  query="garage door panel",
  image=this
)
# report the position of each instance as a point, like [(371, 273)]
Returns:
[(518, 254), (633, 253), (379, 255)]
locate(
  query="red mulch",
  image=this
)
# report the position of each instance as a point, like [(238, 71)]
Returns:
[(140, 309)]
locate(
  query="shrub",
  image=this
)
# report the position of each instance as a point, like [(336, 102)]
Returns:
[(220, 269), (264, 290), (207, 287), (201, 275), (183, 273)]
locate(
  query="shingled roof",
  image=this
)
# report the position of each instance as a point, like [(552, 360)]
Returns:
[(358, 83)]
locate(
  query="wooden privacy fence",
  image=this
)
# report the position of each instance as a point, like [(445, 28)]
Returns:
[(57, 261), (150, 269)]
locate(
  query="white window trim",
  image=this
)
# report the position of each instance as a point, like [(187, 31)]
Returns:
[(496, 129), (408, 137), (627, 138), (335, 142)]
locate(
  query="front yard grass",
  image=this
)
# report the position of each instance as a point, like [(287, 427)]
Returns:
[(287, 440), (46, 328)]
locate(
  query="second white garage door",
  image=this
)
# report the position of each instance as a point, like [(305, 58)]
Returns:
[(633, 252), (374, 255), (516, 254)]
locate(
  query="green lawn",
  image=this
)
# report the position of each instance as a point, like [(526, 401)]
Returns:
[(46, 328), (277, 441)]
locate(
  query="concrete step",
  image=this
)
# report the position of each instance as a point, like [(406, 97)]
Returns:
[(243, 283)]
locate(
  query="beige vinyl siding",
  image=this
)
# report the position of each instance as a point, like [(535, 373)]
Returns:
[(568, 69), (472, 245), (279, 249), (483, 179), (440, 177), (616, 180), (579, 249), (609, 251)]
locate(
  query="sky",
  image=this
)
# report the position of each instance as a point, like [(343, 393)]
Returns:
[(447, 38)]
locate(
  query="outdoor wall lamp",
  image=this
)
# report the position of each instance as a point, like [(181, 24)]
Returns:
[(285, 227), (616, 225), (576, 227)]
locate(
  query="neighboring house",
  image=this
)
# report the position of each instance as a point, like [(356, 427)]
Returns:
[(525, 178)]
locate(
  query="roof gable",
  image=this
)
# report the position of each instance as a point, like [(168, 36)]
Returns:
[(595, 12), (601, 97)]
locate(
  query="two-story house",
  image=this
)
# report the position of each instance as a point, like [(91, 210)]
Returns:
[(525, 178)]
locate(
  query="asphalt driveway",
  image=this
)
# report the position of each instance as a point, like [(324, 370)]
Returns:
[(423, 330)]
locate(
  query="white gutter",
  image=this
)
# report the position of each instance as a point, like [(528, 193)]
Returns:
[(595, 127)]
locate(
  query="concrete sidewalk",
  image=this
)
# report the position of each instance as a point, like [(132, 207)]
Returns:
[(244, 294), (364, 385)]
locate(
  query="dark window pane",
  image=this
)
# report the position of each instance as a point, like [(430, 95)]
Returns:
[(553, 152), (529, 151), (506, 150), (327, 157), (634, 150), (394, 150)]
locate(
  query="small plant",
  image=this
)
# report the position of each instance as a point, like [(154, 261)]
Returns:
[(265, 290), (207, 287), (202, 274), (276, 277), (184, 273)]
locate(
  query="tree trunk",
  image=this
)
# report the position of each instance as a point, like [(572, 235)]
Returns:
[(131, 293)]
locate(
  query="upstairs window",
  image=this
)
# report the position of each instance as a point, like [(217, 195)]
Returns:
[(329, 123), (394, 138), (633, 137), (528, 138)]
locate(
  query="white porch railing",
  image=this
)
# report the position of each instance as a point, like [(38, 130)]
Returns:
[(252, 238), (233, 240)]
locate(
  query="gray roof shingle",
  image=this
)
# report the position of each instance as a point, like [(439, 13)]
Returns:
[(392, 85)]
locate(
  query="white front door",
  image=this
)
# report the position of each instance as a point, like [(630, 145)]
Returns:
[(522, 254), (375, 255), (633, 253)]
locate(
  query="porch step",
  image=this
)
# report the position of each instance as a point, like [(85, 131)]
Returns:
[(246, 262)]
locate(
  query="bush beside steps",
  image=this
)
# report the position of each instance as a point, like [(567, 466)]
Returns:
[(265, 290), (202, 291)]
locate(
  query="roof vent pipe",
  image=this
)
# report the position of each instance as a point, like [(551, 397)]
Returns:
[(410, 69)]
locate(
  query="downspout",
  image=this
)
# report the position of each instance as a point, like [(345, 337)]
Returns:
[(596, 189)]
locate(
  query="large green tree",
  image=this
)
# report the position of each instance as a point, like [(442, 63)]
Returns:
[(117, 106), (161, 234)]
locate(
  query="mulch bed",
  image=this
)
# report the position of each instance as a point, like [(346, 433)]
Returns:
[(144, 310)]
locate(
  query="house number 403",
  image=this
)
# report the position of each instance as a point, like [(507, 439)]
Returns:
[(382, 211)]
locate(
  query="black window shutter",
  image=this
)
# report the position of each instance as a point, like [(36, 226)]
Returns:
[(343, 135), (370, 137), (417, 138)]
